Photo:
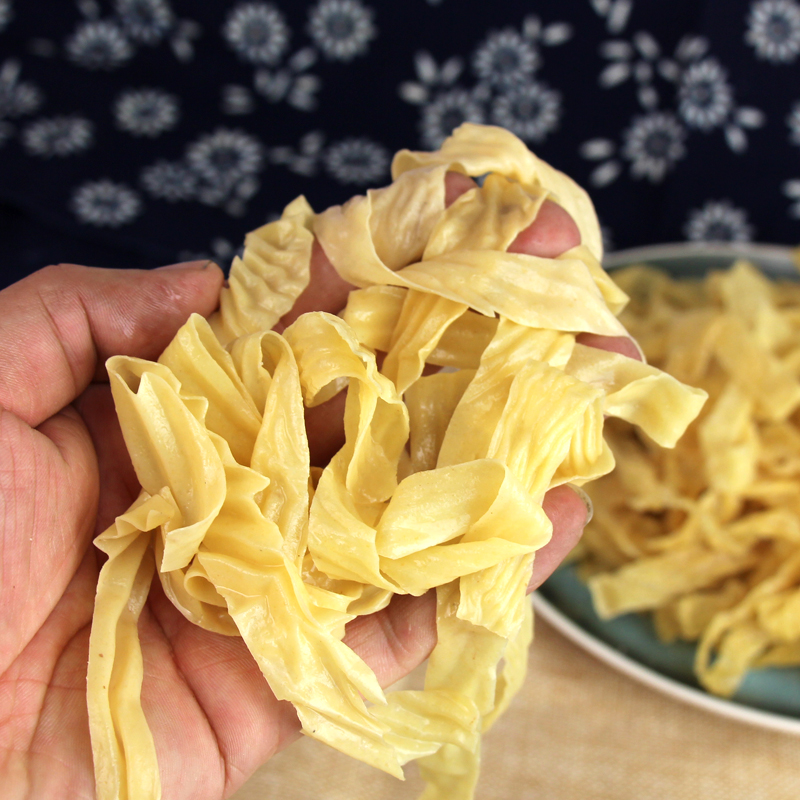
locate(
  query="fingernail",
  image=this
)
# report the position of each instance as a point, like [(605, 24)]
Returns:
[(195, 265), (587, 501)]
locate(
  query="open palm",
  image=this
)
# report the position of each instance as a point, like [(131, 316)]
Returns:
[(65, 475)]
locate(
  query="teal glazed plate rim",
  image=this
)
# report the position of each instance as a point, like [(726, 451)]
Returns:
[(768, 698)]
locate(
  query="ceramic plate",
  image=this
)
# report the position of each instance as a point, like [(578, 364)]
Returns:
[(768, 698)]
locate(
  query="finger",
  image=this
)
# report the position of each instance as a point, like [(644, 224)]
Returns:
[(119, 485), (48, 499), (552, 233), (59, 324), (211, 685), (396, 639), (569, 514), (326, 290), (325, 429), (456, 184), (614, 344)]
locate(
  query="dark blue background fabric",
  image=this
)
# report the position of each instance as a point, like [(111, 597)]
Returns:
[(140, 132)]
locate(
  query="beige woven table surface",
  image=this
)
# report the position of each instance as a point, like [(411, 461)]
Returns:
[(580, 730)]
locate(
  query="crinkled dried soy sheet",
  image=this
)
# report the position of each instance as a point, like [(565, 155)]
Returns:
[(440, 481), (708, 535)]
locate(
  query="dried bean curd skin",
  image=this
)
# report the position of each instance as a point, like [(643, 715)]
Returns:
[(707, 536), (439, 484)]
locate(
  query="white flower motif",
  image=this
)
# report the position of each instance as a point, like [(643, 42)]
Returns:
[(305, 160), (616, 12), (146, 112), (653, 144), (774, 30), (272, 85), (89, 8), (441, 116), (225, 156), (359, 161), (530, 111), (793, 121), (342, 29), (505, 57), (169, 180), (6, 13), (257, 32), (430, 75), (791, 189), (17, 98), (639, 60), (303, 93), (182, 37), (58, 136), (99, 45), (105, 204), (298, 90), (145, 21), (237, 100), (718, 221), (705, 97)]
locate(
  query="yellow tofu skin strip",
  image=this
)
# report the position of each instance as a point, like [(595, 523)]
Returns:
[(706, 536), (438, 486)]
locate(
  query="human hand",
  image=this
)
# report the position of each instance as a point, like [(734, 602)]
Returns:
[(66, 475)]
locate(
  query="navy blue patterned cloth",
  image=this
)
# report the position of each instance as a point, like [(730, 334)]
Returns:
[(140, 132)]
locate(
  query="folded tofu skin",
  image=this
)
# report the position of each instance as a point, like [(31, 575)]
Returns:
[(439, 484)]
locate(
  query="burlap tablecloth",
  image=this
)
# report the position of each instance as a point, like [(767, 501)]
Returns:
[(580, 730)]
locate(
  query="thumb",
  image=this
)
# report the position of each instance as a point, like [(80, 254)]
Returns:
[(59, 325)]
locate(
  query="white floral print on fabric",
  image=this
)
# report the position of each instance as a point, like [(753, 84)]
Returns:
[(531, 110), (791, 187), (218, 169), (446, 112), (773, 30), (169, 180), (357, 161), (305, 159), (703, 101), (507, 91), (705, 98), (58, 136), (99, 45), (341, 29), (653, 143), (6, 14), (615, 13), (106, 44), (236, 100), (718, 221), (506, 57), (17, 98), (105, 204), (225, 155), (257, 32), (793, 121), (638, 60), (145, 21), (146, 112), (291, 83)]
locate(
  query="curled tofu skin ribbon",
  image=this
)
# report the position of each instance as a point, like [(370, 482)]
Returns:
[(439, 484)]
